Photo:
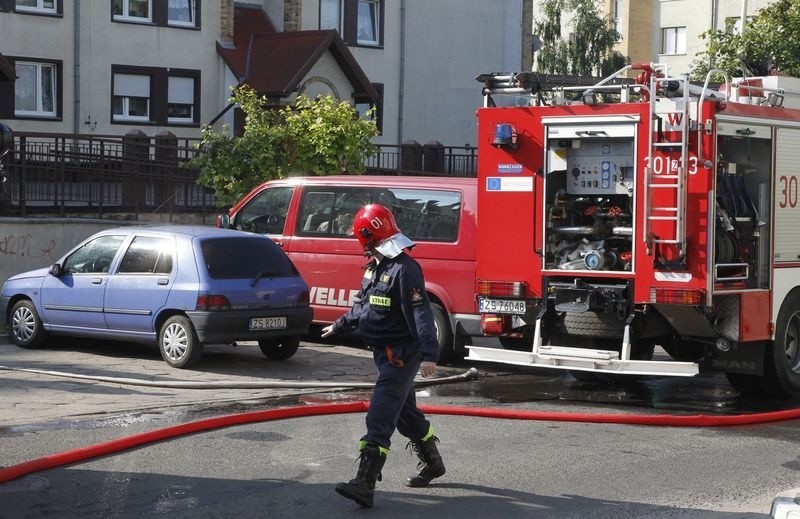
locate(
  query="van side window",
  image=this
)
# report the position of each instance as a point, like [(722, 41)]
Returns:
[(331, 213), (425, 214), (422, 214), (266, 213), (315, 209)]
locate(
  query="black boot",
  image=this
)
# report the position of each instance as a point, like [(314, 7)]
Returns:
[(361, 489), (430, 464)]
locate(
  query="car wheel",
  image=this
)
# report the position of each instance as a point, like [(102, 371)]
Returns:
[(279, 349), (178, 342), (24, 325)]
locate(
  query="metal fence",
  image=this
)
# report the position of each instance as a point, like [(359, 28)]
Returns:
[(95, 175)]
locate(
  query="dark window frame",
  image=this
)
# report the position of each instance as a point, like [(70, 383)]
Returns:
[(159, 83), (159, 16), (8, 92), (349, 20), (378, 105), (11, 5)]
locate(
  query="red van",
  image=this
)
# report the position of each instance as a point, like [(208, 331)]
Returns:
[(311, 218)]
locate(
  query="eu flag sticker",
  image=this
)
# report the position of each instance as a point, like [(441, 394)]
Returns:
[(509, 184)]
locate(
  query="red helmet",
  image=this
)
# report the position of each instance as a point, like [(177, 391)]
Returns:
[(372, 224)]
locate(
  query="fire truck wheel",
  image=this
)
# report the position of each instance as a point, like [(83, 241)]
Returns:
[(591, 324), (783, 358), (443, 334)]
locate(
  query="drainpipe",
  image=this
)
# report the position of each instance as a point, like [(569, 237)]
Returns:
[(744, 15), (76, 123), (401, 79)]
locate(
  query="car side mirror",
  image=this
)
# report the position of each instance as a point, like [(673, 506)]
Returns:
[(223, 221), (55, 269)]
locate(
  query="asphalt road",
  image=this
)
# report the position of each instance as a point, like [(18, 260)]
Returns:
[(287, 468)]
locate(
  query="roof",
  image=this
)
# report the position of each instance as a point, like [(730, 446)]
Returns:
[(275, 64), (431, 182), (7, 72), (176, 229)]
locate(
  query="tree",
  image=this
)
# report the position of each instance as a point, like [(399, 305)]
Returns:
[(319, 137), (589, 49), (768, 45)]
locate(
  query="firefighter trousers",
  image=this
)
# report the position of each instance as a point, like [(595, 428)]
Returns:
[(394, 403)]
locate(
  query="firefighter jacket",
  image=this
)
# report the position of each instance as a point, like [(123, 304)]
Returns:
[(392, 308)]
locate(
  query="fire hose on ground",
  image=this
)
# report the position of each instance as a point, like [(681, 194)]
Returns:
[(128, 442)]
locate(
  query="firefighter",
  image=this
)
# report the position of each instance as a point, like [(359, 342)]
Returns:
[(392, 315)]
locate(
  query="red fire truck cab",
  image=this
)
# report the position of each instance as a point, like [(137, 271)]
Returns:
[(624, 214)]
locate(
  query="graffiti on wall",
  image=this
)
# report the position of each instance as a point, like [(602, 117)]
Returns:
[(25, 246)]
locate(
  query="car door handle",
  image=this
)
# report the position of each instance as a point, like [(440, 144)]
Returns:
[(163, 281), (97, 281), (279, 243)]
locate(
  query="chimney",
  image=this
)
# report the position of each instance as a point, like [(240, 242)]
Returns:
[(292, 9), (226, 23)]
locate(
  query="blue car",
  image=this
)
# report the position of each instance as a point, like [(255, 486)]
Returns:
[(178, 286)]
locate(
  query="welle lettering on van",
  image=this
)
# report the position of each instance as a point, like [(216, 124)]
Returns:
[(311, 219)]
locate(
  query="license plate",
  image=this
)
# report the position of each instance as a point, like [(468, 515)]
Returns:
[(500, 306), (267, 323)]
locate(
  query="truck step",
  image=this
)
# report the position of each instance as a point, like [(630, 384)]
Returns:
[(581, 359)]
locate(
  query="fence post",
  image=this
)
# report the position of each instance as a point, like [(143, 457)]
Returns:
[(166, 155), (433, 157), (135, 152), (410, 156)]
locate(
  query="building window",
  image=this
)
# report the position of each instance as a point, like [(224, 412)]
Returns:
[(161, 13), (37, 6), (673, 40), (330, 15), (131, 99), (617, 16), (132, 10), (35, 89), (360, 22), (363, 105), (181, 12), (368, 22), (180, 100), (155, 95)]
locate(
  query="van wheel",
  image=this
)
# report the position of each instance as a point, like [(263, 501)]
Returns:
[(444, 336), (178, 342), (279, 349), (24, 325)]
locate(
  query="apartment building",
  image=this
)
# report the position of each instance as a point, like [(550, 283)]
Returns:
[(421, 56), (168, 65), (111, 67), (667, 31), (682, 22)]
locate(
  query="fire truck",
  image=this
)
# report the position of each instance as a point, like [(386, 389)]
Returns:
[(641, 225)]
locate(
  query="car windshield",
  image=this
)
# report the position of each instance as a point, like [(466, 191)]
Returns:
[(245, 258)]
